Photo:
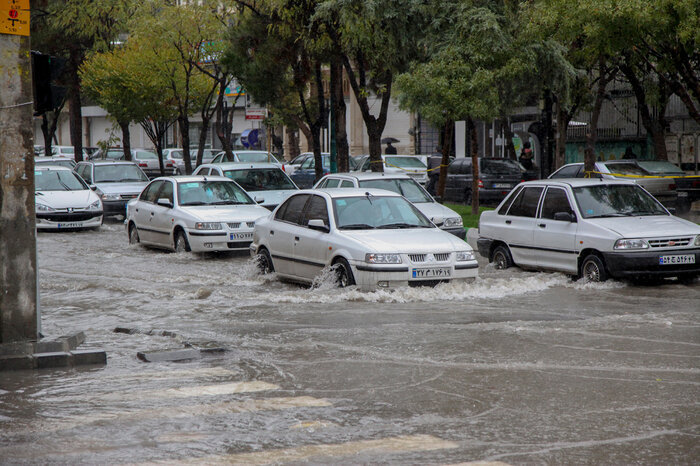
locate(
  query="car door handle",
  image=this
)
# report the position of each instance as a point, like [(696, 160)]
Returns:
[(272, 232), (508, 222), (296, 238), (542, 225)]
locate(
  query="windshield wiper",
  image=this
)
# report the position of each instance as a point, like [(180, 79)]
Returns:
[(614, 214), (401, 225), (226, 203), (646, 212), (193, 203), (356, 226)]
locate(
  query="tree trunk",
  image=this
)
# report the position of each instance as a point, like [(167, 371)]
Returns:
[(224, 121), (293, 136), (75, 110), (508, 136), (448, 132), (126, 139), (341, 135), (562, 125), (475, 165), (592, 134), (184, 127)]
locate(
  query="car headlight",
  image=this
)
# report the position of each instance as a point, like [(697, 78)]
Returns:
[(452, 222), (463, 256), (631, 244), (95, 206), (44, 208), (697, 240), (110, 197), (208, 226), (383, 258)]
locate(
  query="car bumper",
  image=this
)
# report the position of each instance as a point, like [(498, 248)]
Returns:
[(641, 264), (459, 232), (66, 221), (371, 277), (115, 207), (210, 241), (156, 173), (483, 245)]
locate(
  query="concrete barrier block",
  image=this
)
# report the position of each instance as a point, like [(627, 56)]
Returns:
[(51, 346), (85, 357), (172, 355), (55, 359), (74, 340), (16, 348), (17, 362)]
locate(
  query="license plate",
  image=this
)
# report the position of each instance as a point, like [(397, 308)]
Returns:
[(432, 273), (70, 225), (671, 260), (501, 185), (233, 236), (682, 193)]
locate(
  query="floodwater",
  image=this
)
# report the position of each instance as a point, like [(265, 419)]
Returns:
[(516, 367)]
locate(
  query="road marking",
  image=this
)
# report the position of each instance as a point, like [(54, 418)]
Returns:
[(401, 444)]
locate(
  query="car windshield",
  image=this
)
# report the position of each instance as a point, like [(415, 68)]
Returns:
[(255, 157), (408, 188), (381, 212), (145, 155), (176, 154), (198, 193), (625, 169), (413, 163), (660, 167), (260, 179), (500, 167), (608, 200), (57, 180), (118, 173)]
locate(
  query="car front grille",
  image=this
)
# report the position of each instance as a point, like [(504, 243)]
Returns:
[(238, 244), (670, 242), (235, 225), (439, 257), (250, 224), (69, 216), (128, 196)]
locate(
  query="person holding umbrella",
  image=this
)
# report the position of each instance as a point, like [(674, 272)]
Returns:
[(391, 150)]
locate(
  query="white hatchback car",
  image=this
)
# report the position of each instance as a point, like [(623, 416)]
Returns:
[(266, 181), (444, 217), (64, 200), (372, 237), (590, 228), (193, 213)]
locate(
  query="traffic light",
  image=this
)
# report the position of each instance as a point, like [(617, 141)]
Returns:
[(48, 94)]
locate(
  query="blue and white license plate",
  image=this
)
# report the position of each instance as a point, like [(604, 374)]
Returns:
[(233, 236), (70, 225), (438, 272), (502, 185), (680, 259)]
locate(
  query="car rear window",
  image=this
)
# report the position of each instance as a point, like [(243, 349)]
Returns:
[(500, 167)]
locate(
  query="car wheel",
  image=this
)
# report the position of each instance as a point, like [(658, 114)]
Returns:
[(343, 273), (133, 234), (264, 261), (502, 258), (468, 197), (181, 244), (593, 269)]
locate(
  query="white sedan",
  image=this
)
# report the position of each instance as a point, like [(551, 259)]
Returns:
[(193, 213), (64, 201), (371, 237), (589, 228)]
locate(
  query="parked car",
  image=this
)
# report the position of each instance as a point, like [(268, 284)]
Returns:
[(265, 181), (67, 151), (590, 228), (116, 182), (193, 213), (442, 216), (149, 163), (371, 237), (497, 176), (639, 171), (305, 175), (56, 161), (688, 189), (177, 156), (250, 156), (291, 166), (410, 165), (64, 201)]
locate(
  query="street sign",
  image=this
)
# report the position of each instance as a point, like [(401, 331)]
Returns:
[(255, 113), (14, 17)]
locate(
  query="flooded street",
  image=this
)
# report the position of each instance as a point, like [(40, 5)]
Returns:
[(518, 367)]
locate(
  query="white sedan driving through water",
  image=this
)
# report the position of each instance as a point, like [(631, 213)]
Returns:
[(370, 237), (193, 213)]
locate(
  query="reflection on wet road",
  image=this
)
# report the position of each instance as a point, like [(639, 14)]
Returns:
[(518, 367)]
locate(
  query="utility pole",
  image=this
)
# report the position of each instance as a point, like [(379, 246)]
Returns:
[(18, 266)]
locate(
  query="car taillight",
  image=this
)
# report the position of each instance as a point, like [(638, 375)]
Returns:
[(284, 169), (143, 164), (169, 164), (481, 184), (672, 186)]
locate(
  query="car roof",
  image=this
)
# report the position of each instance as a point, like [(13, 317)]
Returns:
[(194, 178), (46, 167), (575, 182), (110, 162), (55, 157), (351, 192), (240, 165), (362, 176)]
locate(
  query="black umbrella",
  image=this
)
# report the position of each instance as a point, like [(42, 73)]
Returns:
[(389, 140)]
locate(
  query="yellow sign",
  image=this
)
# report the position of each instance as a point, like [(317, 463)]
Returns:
[(14, 17)]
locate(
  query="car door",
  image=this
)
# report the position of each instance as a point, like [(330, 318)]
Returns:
[(283, 231), (518, 227), (555, 239), (310, 245), (144, 210), (162, 216)]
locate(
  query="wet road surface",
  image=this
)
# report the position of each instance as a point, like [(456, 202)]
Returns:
[(517, 367)]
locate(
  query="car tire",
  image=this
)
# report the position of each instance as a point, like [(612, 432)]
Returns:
[(181, 244), (343, 273), (133, 234), (264, 261), (593, 269), (501, 258)]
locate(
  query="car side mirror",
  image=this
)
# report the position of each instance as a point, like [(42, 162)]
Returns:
[(318, 224), (437, 220), (565, 217), (165, 203), (93, 187), (259, 199)]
